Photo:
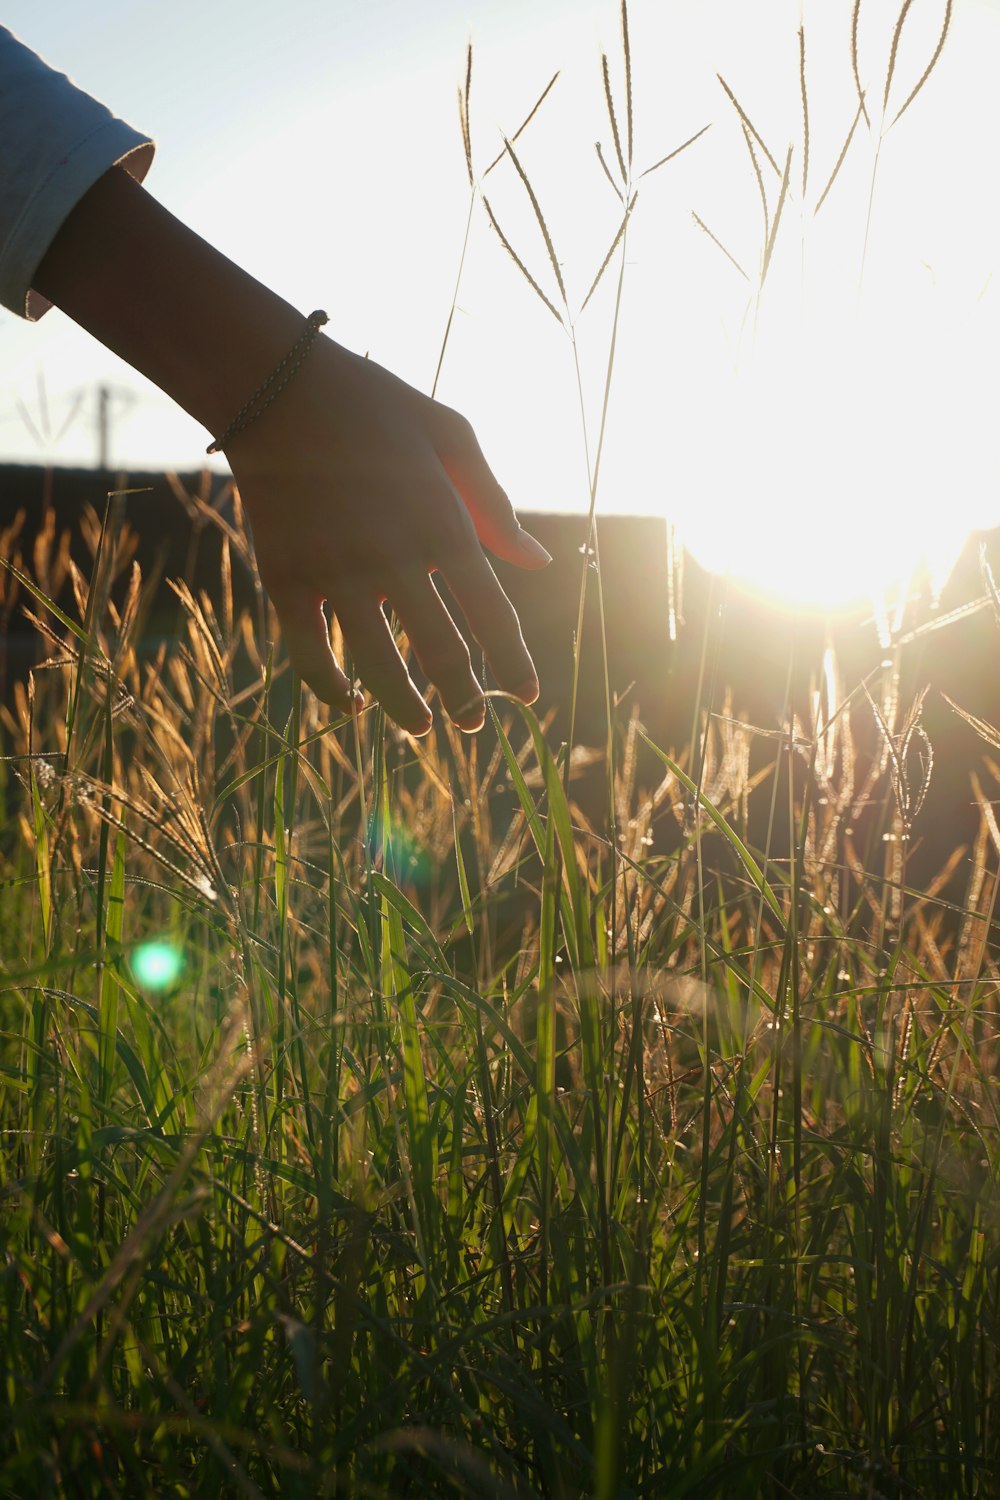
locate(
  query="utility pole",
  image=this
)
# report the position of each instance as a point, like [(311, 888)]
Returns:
[(103, 403)]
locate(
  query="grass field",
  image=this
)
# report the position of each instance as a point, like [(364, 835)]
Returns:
[(388, 1117), (451, 1142)]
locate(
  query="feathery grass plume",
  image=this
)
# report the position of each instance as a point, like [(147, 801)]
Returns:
[(464, 100), (464, 95), (992, 591), (520, 264), (532, 112), (983, 728), (913, 730), (607, 172), (805, 108), (760, 181), (627, 50), (909, 801), (675, 581), (10, 550), (748, 123), (840, 159), (26, 582), (609, 101), (466, 140), (676, 151), (716, 241), (769, 248), (204, 511), (855, 17), (930, 66), (987, 811), (536, 206), (611, 250), (893, 50)]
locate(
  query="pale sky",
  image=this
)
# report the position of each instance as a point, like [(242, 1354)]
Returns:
[(317, 143)]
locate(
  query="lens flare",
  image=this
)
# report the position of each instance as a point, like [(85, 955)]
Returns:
[(157, 965)]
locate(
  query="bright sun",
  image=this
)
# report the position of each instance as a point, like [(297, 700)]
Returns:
[(806, 377), (844, 444), (841, 460)]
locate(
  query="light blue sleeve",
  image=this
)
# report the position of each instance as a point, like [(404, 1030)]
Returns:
[(55, 142)]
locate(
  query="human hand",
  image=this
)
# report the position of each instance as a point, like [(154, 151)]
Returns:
[(357, 486), (358, 489)]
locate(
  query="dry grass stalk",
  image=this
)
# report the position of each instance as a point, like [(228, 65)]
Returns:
[(909, 796), (931, 65), (716, 241), (748, 123), (466, 131), (540, 217), (840, 159), (805, 109), (893, 51), (676, 151), (611, 250), (675, 581), (993, 593), (627, 50), (760, 182), (607, 172), (985, 730), (782, 195), (609, 100), (986, 809), (855, 15), (525, 122)]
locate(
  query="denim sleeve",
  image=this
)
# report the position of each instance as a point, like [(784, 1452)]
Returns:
[(55, 142)]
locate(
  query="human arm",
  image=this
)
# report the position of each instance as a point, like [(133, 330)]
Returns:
[(358, 487)]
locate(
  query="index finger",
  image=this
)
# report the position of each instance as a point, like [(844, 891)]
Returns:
[(493, 621)]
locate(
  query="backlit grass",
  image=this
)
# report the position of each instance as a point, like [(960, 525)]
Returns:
[(488, 1116), (368, 1129)]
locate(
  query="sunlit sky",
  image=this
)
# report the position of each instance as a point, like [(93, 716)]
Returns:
[(813, 438)]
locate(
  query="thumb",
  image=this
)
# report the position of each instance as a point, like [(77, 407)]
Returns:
[(493, 515)]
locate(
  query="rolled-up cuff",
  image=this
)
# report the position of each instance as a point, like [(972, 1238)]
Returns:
[(112, 141)]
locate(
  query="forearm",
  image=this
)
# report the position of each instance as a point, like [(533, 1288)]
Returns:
[(357, 486), (162, 298)]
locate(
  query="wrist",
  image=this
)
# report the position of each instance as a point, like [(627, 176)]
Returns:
[(176, 309)]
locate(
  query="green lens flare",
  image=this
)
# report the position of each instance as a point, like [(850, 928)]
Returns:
[(157, 965)]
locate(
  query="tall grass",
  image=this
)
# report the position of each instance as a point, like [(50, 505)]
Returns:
[(488, 1135), (404, 1184)]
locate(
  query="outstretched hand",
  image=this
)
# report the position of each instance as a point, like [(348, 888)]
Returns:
[(359, 489)]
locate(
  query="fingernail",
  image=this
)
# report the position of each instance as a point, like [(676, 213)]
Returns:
[(471, 716), (532, 547)]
